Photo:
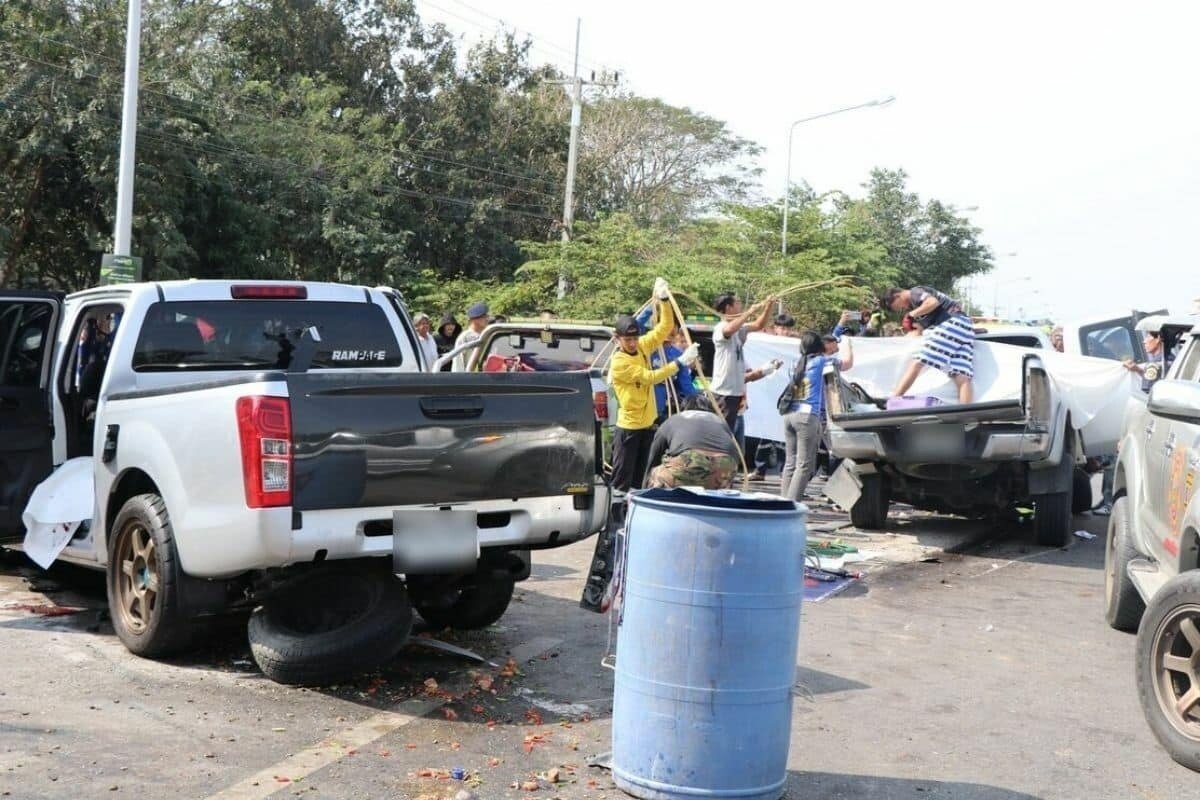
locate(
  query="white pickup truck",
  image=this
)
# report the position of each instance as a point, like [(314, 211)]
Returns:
[(1152, 557), (1020, 445), (278, 446)]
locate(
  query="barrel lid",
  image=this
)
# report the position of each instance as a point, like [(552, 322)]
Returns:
[(730, 499)]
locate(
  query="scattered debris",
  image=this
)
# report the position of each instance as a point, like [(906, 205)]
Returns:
[(42, 609), (453, 649), (1085, 535)]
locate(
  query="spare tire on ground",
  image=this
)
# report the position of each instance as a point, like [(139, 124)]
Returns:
[(330, 624), (471, 608)]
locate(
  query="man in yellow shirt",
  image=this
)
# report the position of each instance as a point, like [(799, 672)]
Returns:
[(633, 381)]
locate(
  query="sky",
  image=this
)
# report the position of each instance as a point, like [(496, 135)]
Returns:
[(1072, 129)]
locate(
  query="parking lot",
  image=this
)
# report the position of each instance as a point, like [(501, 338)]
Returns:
[(931, 678)]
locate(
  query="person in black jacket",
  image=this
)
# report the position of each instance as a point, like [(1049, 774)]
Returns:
[(447, 334)]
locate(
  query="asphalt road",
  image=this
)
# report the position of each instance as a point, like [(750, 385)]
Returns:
[(988, 675)]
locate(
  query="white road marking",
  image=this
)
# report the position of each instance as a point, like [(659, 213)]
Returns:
[(263, 784)]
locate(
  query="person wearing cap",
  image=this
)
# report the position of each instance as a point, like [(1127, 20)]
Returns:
[(633, 381), (729, 341), (477, 320), (424, 328)]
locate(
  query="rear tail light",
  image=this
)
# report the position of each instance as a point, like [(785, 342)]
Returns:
[(265, 432), (1037, 401), (600, 403)]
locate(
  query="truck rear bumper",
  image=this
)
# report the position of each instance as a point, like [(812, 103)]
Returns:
[(871, 446), (332, 534)]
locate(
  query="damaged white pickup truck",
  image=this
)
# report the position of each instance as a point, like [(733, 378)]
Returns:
[(276, 447), (1037, 414)]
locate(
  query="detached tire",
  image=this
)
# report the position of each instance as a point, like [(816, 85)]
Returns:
[(331, 624), (470, 609), (1123, 606), (1052, 522), (144, 578), (870, 511), (1081, 491), (1168, 678)]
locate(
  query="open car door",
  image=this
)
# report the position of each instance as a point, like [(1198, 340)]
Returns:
[(29, 324), (1115, 339)]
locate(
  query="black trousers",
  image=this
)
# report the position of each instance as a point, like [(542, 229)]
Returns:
[(729, 408), (630, 452)]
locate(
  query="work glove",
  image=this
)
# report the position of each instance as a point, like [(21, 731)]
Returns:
[(661, 290), (689, 356)]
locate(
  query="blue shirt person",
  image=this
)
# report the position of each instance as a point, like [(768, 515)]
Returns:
[(684, 386)]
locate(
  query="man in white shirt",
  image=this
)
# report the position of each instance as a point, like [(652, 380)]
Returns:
[(477, 320), (424, 330), (729, 360)]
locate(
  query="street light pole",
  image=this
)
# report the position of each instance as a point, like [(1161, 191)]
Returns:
[(787, 184), (124, 221)]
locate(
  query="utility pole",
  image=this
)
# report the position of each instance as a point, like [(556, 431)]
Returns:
[(574, 88), (124, 221)]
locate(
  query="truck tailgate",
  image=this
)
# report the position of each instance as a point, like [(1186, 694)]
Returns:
[(378, 439), (993, 411)]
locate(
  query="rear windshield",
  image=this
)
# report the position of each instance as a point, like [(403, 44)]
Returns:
[(263, 334), (541, 351)]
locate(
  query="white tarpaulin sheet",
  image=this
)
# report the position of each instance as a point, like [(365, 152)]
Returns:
[(1095, 390), (58, 505)]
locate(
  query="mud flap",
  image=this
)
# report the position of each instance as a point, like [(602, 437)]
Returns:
[(601, 571)]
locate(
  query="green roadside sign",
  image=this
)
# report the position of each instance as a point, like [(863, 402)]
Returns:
[(119, 269)]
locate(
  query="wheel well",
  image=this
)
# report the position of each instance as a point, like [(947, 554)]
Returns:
[(1189, 550), (131, 483)]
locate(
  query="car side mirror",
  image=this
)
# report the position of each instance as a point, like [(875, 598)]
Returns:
[(1177, 400)]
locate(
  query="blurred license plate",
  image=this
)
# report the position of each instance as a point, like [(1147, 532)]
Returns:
[(934, 441), (434, 541)]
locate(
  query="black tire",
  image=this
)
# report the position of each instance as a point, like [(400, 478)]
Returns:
[(1170, 634), (472, 608), (1052, 521), (331, 624), (1123, 606), (870, 511), (144, 580), (1081, 497)]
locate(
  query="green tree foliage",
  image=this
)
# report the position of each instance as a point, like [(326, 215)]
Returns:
[(927, 243), (328, 139), (659, 163), (347, 140)]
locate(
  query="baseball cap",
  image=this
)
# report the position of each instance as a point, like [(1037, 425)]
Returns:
[(627, 326), (477, 310)]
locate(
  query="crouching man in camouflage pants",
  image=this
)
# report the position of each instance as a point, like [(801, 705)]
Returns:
[(695, 448)]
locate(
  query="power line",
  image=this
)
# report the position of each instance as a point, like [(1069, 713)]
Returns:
[(545, 42)]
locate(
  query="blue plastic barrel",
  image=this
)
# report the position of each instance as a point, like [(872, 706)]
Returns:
[(706, 649)]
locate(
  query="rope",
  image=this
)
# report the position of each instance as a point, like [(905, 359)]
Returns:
[(708, 394)]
